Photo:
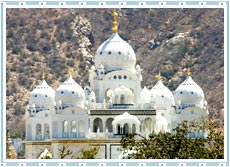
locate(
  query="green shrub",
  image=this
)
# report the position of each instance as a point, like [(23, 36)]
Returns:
[(15, 50)]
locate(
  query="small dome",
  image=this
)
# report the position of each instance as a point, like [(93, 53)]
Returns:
[(43, 95), (115, 54), (160, 96), (70, 93), (189, 93)]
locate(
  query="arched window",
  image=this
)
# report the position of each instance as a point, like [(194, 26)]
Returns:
[(39, 132), (122, 99), (126, 129), (109, 125), (108, 95), (46, 131), (97, 125), (73, 129), (65, 129)]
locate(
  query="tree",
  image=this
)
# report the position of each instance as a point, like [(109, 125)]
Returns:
[(90, 153), (216, 141), (174, 146), (64, 151)]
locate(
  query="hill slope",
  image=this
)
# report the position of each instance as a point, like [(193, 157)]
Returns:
[(169, 40)]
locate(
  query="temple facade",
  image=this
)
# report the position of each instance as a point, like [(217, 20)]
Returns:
[(112, 105)]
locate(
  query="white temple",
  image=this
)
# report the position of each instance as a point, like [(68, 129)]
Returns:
[(114, 104)]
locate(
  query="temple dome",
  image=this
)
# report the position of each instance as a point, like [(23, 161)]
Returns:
[(160, 96), (189, 93), (115, 54), (43, 95), (70, 93)]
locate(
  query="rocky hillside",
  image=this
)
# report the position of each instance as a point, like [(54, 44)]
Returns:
[(169, 40)]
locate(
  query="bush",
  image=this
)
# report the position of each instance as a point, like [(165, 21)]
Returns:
[(31, 47), (70, 63), (22, 79), (45, 46), (15, 50), (17, 134), (183, 49), (19, 109), (45, 35), (195, 51), (10, 34), (69, 55)]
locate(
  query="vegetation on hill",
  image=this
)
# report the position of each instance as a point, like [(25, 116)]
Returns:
[(169, 40)]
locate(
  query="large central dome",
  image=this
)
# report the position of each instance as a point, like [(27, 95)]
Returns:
[(115, 54)]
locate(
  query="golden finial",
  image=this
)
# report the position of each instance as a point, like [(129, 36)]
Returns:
[(159, 76), (69, 71), (189, 72), (115, 28), (43, 75)]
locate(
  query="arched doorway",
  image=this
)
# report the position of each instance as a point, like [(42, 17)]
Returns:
[(118, 129), (122, 99), (109, 125), (126, 129), (97, 125)]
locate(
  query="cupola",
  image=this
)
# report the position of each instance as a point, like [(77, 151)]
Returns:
[(42, 96), (70, 93), (160, 96), (189, 93)]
